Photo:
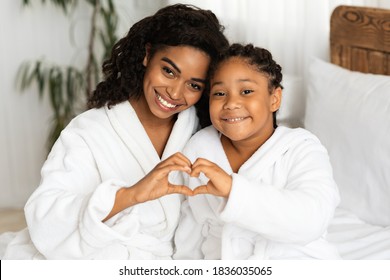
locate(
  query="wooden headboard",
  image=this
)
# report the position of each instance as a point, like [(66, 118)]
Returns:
[(360, 39)]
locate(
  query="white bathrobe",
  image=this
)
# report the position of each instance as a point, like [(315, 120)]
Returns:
[(99, 152), (281, 202)]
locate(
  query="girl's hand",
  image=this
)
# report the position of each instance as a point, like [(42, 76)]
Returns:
[(220, 182)]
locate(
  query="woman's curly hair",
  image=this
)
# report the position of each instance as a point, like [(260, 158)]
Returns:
[(261, 59), (174, 25)]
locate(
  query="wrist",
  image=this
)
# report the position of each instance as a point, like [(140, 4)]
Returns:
[(127, 196)]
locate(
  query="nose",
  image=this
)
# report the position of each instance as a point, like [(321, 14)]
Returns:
[(232, 102), (175, 90)]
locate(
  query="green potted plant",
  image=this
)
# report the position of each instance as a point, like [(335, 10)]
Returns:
[(66, 85)]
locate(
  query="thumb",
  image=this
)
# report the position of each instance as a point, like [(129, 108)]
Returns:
[(180, 189), (201, 190)]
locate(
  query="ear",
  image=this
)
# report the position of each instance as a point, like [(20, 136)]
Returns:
[(147, 52), (276, 99)]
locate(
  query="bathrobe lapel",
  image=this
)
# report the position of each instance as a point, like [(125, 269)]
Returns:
[(125, 122), (266, 155), (274, 148), (185, 126), (216, 203)]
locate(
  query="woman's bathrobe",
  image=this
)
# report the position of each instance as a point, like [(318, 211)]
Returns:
[(281, 202), (99, 152)]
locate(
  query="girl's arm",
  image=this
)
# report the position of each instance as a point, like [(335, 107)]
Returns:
[(298, 211)]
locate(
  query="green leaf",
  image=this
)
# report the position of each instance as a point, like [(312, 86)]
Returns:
[(65, 85)]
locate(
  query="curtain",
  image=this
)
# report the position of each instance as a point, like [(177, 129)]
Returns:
[(293, 30)]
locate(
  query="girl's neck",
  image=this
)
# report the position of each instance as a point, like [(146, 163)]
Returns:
[(238, 152)]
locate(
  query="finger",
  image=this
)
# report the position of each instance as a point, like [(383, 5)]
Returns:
[(202, 161), (176, 160), (181, 157), (198, 166), (174, 167), (179, 189), (201, 190), (207, 170)]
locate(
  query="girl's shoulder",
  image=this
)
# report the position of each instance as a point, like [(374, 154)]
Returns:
[(298, 132), (205, 134)]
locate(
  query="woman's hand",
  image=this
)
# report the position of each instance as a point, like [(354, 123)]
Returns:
[(154, 185), (220, 182)]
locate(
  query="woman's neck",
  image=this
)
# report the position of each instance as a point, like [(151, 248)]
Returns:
[(145, 115), (157, 129)]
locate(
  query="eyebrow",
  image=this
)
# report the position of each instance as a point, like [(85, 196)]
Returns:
[(216, 83), (167, 60), (238, 80)]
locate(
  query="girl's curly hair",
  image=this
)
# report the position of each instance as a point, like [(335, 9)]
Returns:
[(261, 59), (173, 25)]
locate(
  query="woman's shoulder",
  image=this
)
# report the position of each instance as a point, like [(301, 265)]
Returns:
[(87, 118), (100, 116)]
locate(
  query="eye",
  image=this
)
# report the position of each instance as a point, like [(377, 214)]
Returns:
[(218, 93), (195, 86), (247, 91), (168, 72)]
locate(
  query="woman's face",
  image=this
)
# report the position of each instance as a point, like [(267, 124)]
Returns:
[(174, 79)]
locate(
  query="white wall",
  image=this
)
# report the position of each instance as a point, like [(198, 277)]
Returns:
[(291, 29), (27, 34)]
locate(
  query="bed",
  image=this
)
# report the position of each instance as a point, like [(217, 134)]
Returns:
[(348, 108)]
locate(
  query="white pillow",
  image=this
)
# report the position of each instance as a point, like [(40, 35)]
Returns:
[(291, 111), (350, 113)]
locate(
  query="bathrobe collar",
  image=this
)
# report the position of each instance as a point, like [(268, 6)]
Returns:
[(127, 125), (279, 143)]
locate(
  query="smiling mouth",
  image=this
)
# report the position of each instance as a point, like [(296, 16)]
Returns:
[(165, 103), (233, 120)]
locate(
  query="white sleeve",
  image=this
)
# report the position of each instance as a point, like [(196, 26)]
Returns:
[(64, 214), (188, 236), (300, 211)]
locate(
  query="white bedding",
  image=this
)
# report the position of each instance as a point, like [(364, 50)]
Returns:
[(356, 239), (350, 113)]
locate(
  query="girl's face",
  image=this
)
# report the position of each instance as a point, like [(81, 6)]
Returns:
[(174, 79), (241, 106)]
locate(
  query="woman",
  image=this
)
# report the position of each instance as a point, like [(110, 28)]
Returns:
[(104, 189)]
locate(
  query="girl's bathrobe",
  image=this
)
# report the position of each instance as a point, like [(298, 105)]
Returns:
[(99, 152), (281, 202)]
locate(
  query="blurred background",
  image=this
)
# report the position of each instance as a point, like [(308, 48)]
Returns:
[(293, 30)]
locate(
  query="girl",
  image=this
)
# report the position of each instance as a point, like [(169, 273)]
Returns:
[(104, 187), (264, 192)]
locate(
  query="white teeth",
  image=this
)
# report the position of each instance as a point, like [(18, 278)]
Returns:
[(165, 103), (235, 119)]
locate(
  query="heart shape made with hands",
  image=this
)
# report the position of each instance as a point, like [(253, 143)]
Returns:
[(177, 177), (217, 183)]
